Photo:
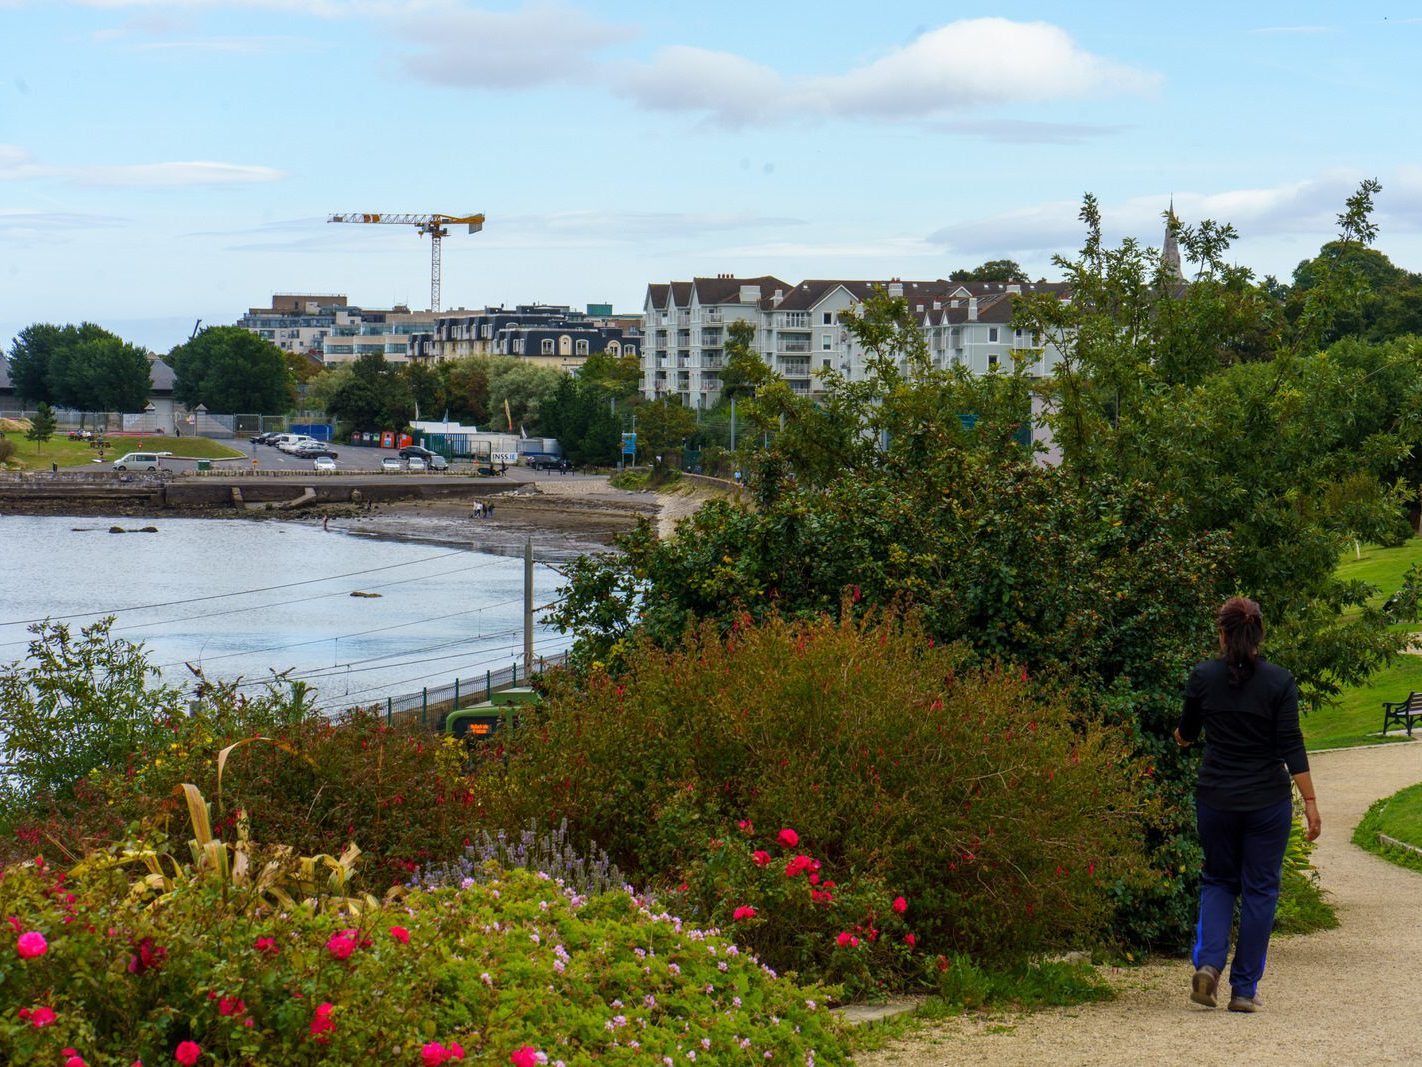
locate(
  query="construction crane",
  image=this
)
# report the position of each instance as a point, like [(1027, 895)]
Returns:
[(434, 225)]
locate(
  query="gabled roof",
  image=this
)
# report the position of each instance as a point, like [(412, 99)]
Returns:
[(657, 295), (811, 291), (681, 294), (727, 290)]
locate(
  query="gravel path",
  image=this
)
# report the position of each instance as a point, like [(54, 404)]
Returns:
[(1345, 996)]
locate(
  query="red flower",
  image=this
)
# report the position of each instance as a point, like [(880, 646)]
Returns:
[(799, 865), (75, 1060), (900, 905), (788, 838), (745, 826), (433, 1054), (400, 934), (340, 946), (745, 911), (910, 940), (847, 940), (38, 1017), (187, 1053), (266, 945), (231, 1006), (322, 1023), (761, 857), (524, 1057), (31, 944), (148, 957)]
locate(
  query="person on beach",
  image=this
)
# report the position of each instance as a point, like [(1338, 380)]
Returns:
[(1249, 710)]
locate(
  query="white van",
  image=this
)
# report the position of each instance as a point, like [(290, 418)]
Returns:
[(287, 442), (141, 461)]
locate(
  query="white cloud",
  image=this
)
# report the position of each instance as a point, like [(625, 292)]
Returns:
[(1304, 209), (965, 64), (539, 44), (16, 164)]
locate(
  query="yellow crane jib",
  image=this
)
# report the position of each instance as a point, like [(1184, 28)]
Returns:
[(434, 225)]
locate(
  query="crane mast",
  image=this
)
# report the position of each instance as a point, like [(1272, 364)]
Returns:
[(436, 226)]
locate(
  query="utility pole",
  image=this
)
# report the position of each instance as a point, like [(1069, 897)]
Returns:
[(733, 424), (528, 607)]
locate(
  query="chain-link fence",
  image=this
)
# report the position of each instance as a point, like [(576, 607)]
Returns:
[(432, 703)]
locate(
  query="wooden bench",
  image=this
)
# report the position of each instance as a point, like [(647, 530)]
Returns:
[(1402, 712)]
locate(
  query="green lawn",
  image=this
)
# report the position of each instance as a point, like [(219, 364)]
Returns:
[(1399, 817), (59, 449), (1381, 567), (1357, 717)]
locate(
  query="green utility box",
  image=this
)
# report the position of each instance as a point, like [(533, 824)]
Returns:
[(204, 464), (517, 695)]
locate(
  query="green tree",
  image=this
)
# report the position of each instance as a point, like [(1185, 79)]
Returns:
[(41, 425), (325, 384), (743, 371), (230, 369), (30, 356), (466, 389), (95, 370), (375, 396), (619, 376), (426, 388), (527, 388), (994, 270), (663, 426)]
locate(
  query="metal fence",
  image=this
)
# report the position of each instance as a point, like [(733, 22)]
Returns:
[(432, 703)]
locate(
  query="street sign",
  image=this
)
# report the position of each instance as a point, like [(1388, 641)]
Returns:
[(629, 444)]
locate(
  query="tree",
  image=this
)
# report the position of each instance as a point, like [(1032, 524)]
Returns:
[(744, 371), (230, 369), (41, 425), (527, 388), (426, 389), (994, 270), (663, 426), (618, 376), (375, 396), (95, 370), (30, 357), (466, 389)]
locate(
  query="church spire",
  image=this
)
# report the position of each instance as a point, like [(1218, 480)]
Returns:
[(1170, 250)]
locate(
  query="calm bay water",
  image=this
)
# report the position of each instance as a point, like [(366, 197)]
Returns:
[(242, 599)]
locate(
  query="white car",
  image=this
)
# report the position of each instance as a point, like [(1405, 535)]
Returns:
[(389, 463), (415, 463), (295, 442), (325, 463), (141, 461)]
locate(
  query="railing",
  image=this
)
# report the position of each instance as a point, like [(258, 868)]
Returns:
[(793, 346), (432, 703)]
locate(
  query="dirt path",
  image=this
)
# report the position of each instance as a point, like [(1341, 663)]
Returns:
[(1347, 996)]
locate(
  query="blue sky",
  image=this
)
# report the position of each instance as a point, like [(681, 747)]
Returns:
[(168, 160)]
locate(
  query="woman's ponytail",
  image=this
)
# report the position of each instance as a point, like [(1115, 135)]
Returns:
[(1242, 629)]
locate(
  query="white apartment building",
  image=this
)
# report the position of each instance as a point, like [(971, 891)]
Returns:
[(799, 332), (395, 334)]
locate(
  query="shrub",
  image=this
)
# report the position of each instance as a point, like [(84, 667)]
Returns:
[(1000, 809), (7, 450), (318, 785), (487, 971), (548, 851)]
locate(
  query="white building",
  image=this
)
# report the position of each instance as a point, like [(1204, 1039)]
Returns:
[(799, 332)]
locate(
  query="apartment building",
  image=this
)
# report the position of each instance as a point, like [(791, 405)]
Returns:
[(548, 334), (398, 334), (296, 322), (799, 332)]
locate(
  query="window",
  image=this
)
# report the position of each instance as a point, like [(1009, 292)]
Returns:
[(827, 363), (548, 346), (580, 348), (827, 342), (992, 361), (992, 335), (828, 319), (1017, 334)]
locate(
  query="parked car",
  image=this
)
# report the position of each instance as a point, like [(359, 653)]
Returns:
[(295, 442), (324, 462), (389, 463), (417, 450), (415, 463), (437, 463), (141, 461), (265, 438), (308, 450)]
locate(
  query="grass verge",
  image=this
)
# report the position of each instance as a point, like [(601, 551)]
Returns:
[(964, 986), (1303, 908), (1357, 717), (30, 455), (1398, 816)]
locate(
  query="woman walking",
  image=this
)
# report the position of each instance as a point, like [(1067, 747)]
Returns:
[(1249, 709)]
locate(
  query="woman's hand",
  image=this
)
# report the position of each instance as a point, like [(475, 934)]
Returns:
[(1314, 819), (1180, 740)]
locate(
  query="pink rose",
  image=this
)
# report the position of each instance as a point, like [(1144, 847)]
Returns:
[(187, 1053), (322, 1024), (39, 1017), (745, 911), (761, 857), (75, 1061), (846, 940), (31, 944), (788, 837), (900, 905), (340, 946), (524, 1057), (266, 946), (910, 940), (433, 1054), (400, 934), (455, 1050)]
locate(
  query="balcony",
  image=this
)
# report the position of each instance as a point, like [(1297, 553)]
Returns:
[(793, 346), (711, 315), (683, 318), (710, 337)]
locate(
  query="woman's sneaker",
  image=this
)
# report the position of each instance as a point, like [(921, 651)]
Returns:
[(1202, 986), (1239, 1002)]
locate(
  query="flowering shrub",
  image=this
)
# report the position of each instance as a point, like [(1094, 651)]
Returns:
[(494, 973), (548, 851), (400, 789), (1003, 812)]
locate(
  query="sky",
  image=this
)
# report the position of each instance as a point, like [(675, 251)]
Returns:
[(165, 161)]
